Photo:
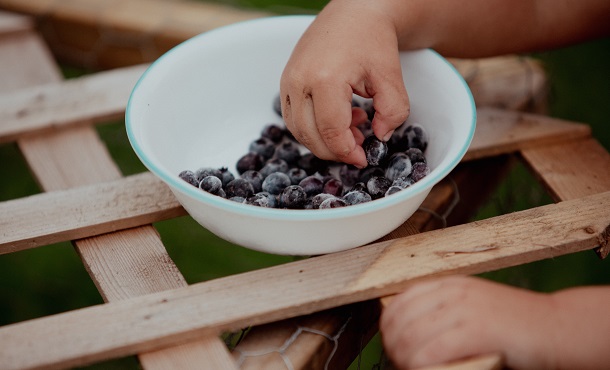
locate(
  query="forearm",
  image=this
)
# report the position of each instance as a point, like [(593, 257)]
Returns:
[(478, 28), (582, 328)]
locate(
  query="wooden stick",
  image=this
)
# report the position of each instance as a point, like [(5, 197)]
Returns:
[(172, 317)]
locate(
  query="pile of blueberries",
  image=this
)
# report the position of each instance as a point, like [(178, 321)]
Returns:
[(274, 173)]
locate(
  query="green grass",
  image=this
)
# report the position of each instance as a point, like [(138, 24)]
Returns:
[(51, 279)]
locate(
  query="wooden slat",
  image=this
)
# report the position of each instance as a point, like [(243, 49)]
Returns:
[(123, 327), (52, 217), (76, 157), (115, 33), (93, 98), (512, 131)]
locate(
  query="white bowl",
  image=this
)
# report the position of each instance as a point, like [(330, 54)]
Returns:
[(204, 101)]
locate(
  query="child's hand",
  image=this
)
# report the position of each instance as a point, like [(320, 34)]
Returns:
[(351, 47), (446, 319)]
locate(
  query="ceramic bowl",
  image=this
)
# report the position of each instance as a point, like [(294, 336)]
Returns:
[(203, 102)]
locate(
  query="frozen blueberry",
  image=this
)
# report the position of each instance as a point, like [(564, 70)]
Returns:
[(312, 164), (354, 197), (392, 190), (276, 182), (359, 186), (250, 161), (211, 184), (399, 165), (263, 199), (293, 197), (277, 105), (296, 175), (333, 202), (377, 186), (403, 182), (226, 176), (190, 177), (317, 199), (420, 170), (263, 146), (207, 171), (274, 165), (239, 188), (288, 151), (312, 185), (416, 136), (349, 174), (333, 186), (255, 178), (375, 150), (237, 199), (273, 132), (415, 155), (371, 171)]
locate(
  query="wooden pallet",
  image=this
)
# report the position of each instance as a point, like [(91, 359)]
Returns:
[(151, 311)]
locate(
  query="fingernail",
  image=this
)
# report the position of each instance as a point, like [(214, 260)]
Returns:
[(388, 136)]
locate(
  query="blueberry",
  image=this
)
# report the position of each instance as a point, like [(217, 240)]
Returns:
[(333, 186), (274, 165), (288, 151), (415, 155), (317, 199), (312, 185), (333, 203), (296, 175), (393, 190), (250, 161), (403, 182), (368, 172), (207, 171), (255, 178), (356, 197), (377, 186), (416, 136), (211, 184), (273, 132), (420, 170), (375, 150), (239, 188), (349, 174), (263, 146), (359, 186), (226, 176), (190, 177), (293, 197), (276, 182), (399, 165), (263, 199), (312, 164), (277, 105)]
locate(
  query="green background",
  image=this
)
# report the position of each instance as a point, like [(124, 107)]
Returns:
[(51, 279)]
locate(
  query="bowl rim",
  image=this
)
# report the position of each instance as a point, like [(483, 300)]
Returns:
[(177, 184)]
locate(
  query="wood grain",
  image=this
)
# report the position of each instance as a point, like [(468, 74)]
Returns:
[(172, 317)]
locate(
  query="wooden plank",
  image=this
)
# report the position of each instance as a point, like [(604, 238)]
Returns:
[(116, 33), (91, 99), (571, 170), (171, 317), (75, 157), (52, 217), (512, 131)]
